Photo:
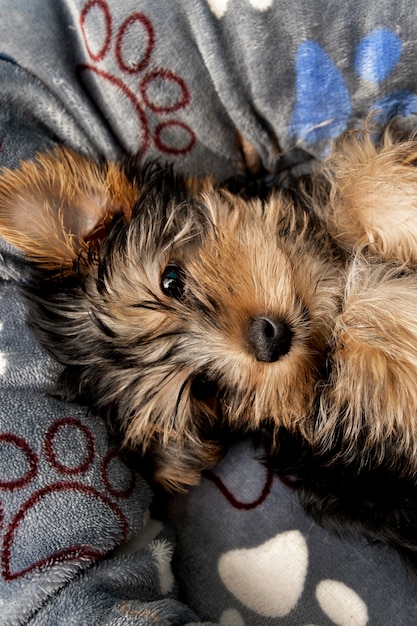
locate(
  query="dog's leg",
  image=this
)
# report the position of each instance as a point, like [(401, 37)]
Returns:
[(371, 395), (372, 202)]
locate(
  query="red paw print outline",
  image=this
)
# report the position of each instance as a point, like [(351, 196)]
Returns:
[(70, 495), (235, 502), (238, 496), (159, 91)]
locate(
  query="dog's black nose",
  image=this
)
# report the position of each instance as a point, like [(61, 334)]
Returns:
[(271, 338)]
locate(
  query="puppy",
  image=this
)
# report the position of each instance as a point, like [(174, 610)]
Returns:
[(176, 310), (359, 468)]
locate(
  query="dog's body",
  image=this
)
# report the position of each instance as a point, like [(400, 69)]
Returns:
[(369, 401), (178, 309), (359, 469)]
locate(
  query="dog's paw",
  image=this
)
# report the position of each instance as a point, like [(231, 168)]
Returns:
[(373, 196)]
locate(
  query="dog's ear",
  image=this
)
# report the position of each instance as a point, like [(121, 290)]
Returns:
[(373, 195), (54, 206)]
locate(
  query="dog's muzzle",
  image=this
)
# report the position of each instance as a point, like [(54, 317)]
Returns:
[(271, 338)]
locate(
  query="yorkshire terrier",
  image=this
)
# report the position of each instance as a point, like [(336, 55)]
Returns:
[(358, 469), (177, 310), (180, 311)]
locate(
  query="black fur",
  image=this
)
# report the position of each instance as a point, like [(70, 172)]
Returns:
[(353, 495)]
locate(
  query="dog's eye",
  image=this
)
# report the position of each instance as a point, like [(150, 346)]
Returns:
[(173, 281)]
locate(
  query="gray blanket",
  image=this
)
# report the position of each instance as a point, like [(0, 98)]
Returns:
[(176, 81)]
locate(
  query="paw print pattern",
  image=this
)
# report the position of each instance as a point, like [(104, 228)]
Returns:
[(270, 578), (55, 516), (244, 504), (323, 104), (18, 462), (277, 564), (219, 7), (152, 95), (3, 357)]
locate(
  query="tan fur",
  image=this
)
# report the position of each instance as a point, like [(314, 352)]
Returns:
[(371, 396), (272, 279), (373, 201), (135, 351), (367, 196), (59, 212)]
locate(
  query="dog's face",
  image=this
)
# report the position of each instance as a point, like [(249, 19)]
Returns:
[(173, 307)]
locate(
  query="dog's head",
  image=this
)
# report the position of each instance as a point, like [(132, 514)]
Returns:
[(174, 307)]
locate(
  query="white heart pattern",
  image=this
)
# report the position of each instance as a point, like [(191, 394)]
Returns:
[(3, 357), (219, 7), (269, 578)]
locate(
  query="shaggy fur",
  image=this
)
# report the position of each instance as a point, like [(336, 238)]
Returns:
[(359, 468), (180, 311), (177, 310), (371, 210)]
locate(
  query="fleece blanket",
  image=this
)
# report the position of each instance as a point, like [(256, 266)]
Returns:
[(176, 81)]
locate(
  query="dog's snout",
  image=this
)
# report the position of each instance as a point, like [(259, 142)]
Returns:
[(271, 338)]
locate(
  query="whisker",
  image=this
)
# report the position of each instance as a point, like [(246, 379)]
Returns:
[(181, 392), (149, 305)]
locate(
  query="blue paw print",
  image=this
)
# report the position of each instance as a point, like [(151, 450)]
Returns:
[(323, 104)]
